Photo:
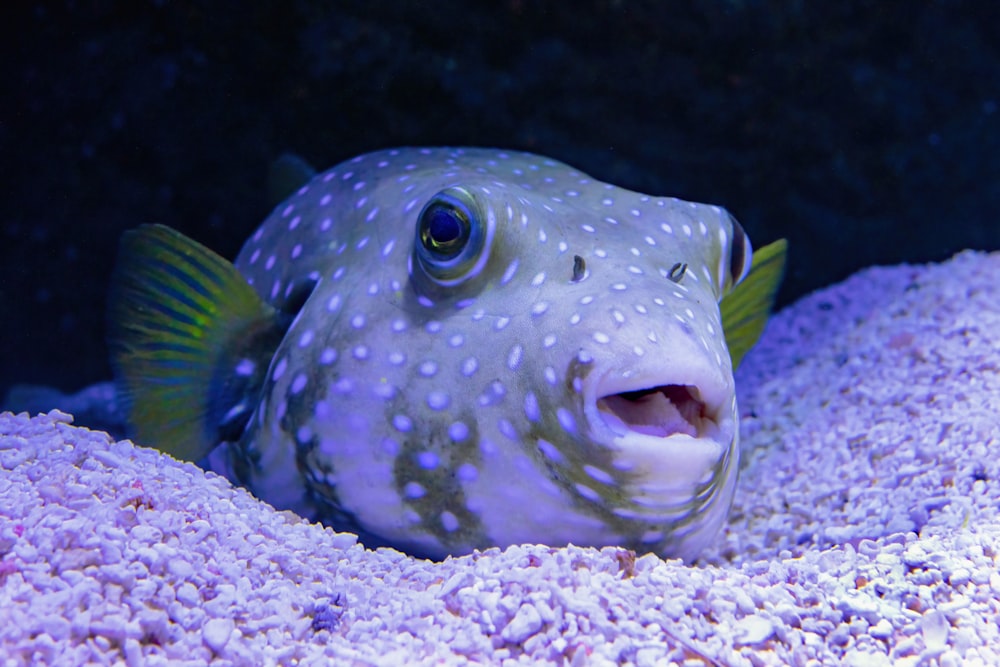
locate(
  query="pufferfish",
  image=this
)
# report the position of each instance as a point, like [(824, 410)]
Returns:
[(451, 349)]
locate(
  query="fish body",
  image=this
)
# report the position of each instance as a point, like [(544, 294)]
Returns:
[(450, 349)]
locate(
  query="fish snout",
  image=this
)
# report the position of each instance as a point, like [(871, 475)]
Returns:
[(669, 422)]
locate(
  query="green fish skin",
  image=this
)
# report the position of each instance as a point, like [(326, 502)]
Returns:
[(452, 349)]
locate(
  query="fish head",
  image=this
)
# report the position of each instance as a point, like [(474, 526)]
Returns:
[(497, 349)]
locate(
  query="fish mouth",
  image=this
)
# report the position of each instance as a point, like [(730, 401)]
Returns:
[(672, 425), (660, 411)]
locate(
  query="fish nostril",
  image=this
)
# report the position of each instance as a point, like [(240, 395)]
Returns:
[(677, 272), (579, 269)]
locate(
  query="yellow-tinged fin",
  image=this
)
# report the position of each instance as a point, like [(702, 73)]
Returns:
[(746, 308), (182, 320), (286, 175)]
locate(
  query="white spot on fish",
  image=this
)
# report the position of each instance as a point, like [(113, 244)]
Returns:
[(438, 400), (299, 383), (279, 369), (469, 366), (245, 367), (449, 521), (566, 420), (467, 473), (507, 429), (390, 446), (458, 431), (514, 357), (550, 451), (509, 272), (531, 410), (402, 423), (384, 391), (428, 460), (601, 476), (328, 356)]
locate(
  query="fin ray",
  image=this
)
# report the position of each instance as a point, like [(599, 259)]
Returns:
[(180, 318)]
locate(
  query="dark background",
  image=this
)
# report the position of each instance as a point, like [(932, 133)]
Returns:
[(865, 132)]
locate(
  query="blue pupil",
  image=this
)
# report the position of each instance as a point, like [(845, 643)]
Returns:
[(443, 228)]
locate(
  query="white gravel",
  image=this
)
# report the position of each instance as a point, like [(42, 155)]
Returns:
[(865, 530)]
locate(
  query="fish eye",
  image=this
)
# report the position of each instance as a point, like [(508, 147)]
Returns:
[(444, 229), (450, 237)]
